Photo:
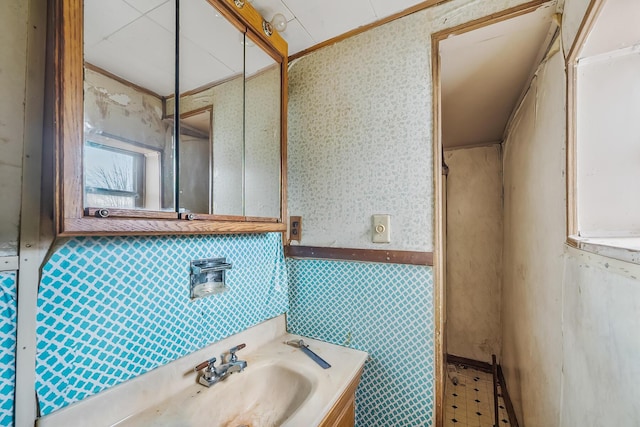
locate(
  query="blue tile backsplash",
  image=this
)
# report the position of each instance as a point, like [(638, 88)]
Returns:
[(112, 308), (386, 310), (8, 308)]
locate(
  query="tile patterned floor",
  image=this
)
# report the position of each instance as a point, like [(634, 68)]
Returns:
[(469, 403)]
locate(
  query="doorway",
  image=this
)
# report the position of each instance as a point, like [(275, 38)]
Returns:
[(481, 71)]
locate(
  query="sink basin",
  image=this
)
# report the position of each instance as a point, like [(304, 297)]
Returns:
[(281, 386), (244, 399)]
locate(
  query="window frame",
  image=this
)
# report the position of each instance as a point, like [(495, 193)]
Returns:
[(625, 248)]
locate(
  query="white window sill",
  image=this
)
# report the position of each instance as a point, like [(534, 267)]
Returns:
[(621, 248)]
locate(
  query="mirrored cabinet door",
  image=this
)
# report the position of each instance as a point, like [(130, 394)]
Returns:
[(129, 72), (262, 153), (211, 118)]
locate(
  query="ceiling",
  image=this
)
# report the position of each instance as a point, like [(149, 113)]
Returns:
[(485, 72), (134, 39)]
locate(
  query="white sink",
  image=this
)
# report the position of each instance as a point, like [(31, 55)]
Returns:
[(281, 386), (261, 396)]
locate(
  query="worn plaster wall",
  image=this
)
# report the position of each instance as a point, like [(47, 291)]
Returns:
[(13, 51), (569, 318), (601, 314), (474, 251), (534, 235), (13, 82)]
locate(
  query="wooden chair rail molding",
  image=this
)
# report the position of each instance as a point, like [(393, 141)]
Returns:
[(364, 255)]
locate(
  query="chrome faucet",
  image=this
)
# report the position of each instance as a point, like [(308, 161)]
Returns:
[(229, 364)]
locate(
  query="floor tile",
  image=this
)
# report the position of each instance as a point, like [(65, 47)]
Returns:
[(473, 400)]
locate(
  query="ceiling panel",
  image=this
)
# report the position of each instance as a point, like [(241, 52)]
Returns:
[(297, 37), (384, 8), (165, 16), (268, 8), (144, 6), (325, 19), (149, 43), (130, 67), (102, 18), (199, 68), (214, 35)]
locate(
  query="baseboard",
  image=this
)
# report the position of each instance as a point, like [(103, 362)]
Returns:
[(459, 360)]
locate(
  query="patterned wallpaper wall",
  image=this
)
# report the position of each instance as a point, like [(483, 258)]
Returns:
[(110, 309), (384, 309), (8, 311), (360, 131)]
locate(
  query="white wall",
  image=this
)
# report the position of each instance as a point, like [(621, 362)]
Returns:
[(570, 319), (13, 51), (608, 107), (534, 235), (474, 252)]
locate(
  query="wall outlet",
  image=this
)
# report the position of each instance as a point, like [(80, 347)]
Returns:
[(381, 228), (295, 228)]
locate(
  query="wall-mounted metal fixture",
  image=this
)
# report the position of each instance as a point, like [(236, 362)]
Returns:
[(208, 277)]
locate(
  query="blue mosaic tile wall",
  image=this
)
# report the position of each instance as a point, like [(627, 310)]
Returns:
[(112, 308), (386, 310), (8, 309)]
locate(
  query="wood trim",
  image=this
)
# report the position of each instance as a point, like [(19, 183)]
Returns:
[(94, 68), (494, 18), (250, 17), (593, 10), (439, 227), (134, 227), (413, 9), (344, 403), (513, 420), (68, 90), (70, 217), (284, 102), (362, 255), (471, 363), (131, 213)]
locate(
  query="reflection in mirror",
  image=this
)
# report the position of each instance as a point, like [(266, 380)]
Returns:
[(211, 80), (129, 72), (262, 134)]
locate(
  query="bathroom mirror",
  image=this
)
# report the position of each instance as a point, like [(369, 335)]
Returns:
[(128, 74), (262, 133), (131, 157), (211, 87)]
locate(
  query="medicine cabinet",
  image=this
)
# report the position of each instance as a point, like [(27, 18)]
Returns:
[(170, 118)]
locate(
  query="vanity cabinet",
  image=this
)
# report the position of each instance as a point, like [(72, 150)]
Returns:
[(343, 413), (170, 118)]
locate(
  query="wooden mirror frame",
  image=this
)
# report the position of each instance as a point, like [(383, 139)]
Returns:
[(70, 216)]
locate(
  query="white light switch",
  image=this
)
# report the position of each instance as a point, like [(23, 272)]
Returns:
[(381, 228)]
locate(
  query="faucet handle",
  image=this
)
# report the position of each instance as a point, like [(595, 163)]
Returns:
[(207, 363), (232, 352)]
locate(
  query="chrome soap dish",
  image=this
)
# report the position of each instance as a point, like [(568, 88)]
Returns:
[(208, 277)]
